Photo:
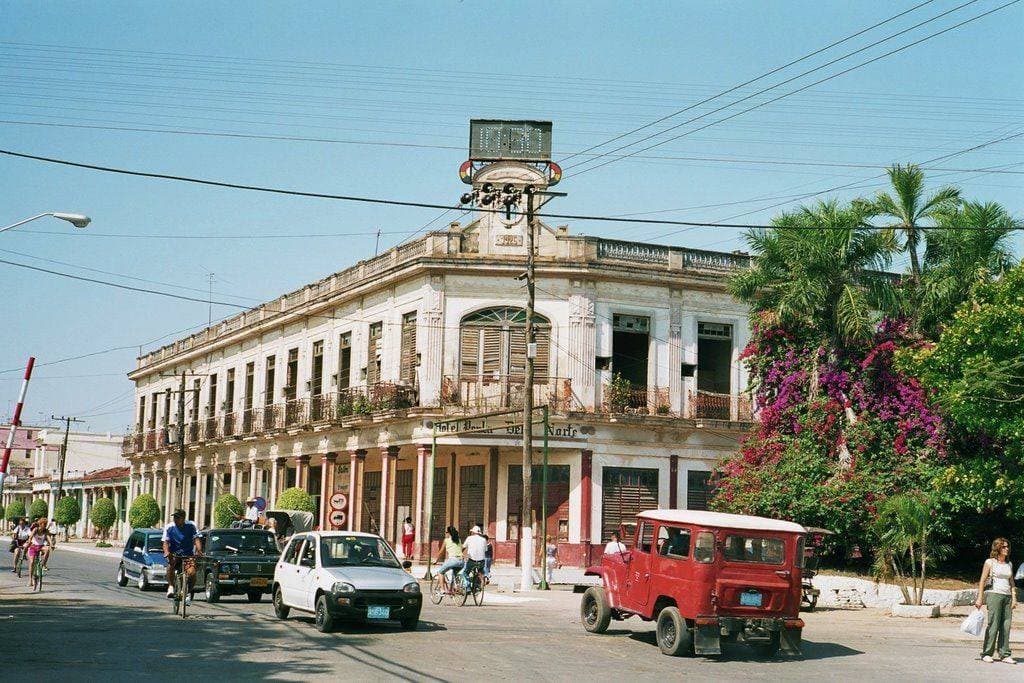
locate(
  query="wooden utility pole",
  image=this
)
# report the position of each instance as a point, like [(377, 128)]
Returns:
[(526, 519), (63, 451)]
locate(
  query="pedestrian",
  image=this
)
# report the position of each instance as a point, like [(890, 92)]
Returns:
[(999, 600), (615, 545), (488, 558), (551, 551), (408, 536)]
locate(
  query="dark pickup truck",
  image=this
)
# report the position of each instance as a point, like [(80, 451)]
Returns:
[(236, 562)]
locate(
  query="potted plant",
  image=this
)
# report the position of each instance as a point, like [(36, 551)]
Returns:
[(904, 548), (618, 393)]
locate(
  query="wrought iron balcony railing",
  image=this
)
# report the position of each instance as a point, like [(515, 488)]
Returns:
[(710, 406), (495, 392)]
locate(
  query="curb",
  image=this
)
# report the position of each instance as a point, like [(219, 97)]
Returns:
[(89, 551)]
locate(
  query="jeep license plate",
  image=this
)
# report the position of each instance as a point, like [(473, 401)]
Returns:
[(378, 612), (750, 599), (257, 583)]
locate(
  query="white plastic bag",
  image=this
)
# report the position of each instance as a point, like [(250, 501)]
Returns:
[(973, 623)]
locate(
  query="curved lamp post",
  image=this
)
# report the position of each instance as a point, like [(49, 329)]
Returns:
[(76, 219)]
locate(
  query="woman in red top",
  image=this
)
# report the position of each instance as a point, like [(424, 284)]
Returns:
[(408, 536)]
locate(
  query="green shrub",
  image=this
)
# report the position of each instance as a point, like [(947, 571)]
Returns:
[(67, 511), (296, 499), (103, 544), (103, 515), (144, 512), (226, 509), (15, 510), (38, 509)]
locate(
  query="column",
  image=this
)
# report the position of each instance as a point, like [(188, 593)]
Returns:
[(153, 481), (673, 481), (582, 347), (132, 481), (277, 479), (586, 504), (200, 512), (430, 340), (388, 457), (492, 491), (327, 461), (675, 353), (235, 490), (419, 512), (357, 459), (254, 485), (169, 503), (302, 472)]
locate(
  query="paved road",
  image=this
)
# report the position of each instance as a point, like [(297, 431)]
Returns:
[(92, 629)]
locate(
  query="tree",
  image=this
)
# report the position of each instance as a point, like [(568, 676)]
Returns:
[(909, 207), (956, 259), (38, 509), (67, 512), (103, 516), (296, 499), (15, 510), (226, 509), (817, 267), (904, 547), (144, 512)]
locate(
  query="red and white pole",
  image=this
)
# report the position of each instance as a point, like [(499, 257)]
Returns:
[(14, 423)]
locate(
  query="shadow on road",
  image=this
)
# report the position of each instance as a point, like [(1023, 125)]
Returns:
[(741, 652)]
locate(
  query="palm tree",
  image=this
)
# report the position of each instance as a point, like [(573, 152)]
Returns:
[(955, 259), (818, 267), (910, 208)]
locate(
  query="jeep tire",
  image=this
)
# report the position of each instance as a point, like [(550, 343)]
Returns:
[(674, 637), (595, 613), (281, 610), (254, 596), (770, 647)]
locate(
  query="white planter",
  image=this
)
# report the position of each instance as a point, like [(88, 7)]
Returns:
[(915, 611)]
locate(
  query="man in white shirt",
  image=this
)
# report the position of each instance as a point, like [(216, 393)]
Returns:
[(475, 546), (615, 545), (252, 513)]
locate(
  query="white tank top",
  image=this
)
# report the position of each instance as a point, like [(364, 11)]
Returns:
[(1000, 573)]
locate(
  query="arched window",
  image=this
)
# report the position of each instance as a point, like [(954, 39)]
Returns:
[(493, 344)]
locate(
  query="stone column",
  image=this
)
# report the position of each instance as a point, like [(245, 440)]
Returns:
[(169, 494), (688, 342), (586, 502), (327, 461), (673, 481), (492, 491), (254, 484), (419, 512), (236, 490), (302, 472), (582, 348), (200, 511), (430, 342), (277, 479), (357, 459), (388, 458), (675, 353)]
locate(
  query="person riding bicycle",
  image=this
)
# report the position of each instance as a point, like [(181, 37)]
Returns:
[(475, 546), (22, 533), (181, 545), (452, 550), (38, 544)]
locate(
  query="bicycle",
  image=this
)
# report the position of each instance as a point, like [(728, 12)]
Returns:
[(179, 604), (470, 582), (37, 573), (19, 561)]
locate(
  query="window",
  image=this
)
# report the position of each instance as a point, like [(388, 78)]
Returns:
[(373, 353), (316, 376), (698, 489), (309, 554), (154, 543), (291, 553), (250, 380), (142, 412), (229, 392), (493, 344), (268, 381), (704, 548), (674, 542), (134, 541), (345, 361), (251, 542), (646, 536), (195, 399), (291, 377), (408, 361), (714, 361), (754, 549), (152, 410), (167, 407), (356, 551), (800, 553), (211, 402)]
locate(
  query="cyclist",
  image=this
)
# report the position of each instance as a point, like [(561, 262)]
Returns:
[(38, 544), (22, 532), (181, 545), (476, 551), (452, 550)]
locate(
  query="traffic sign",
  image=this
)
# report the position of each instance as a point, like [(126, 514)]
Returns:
[(338, 518), (339, 501), (261, 503)]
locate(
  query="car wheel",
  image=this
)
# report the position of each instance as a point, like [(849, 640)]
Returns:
[(280, 609), (770, 647), (143, 582), (674, 637), (212, 592), (324, 620), (254, 596), (411, 623), (122, 578), (595, 613)]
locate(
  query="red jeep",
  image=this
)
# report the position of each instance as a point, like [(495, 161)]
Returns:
[(704, 576)]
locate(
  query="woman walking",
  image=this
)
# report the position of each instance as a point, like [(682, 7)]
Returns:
[(408, 536), (996, 576)]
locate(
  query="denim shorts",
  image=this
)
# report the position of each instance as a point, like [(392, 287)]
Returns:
[(454, 563)]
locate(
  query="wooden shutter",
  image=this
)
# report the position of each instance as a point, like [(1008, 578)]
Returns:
[(471, 495), (698, 490), (470, 352), (626, 491), (542, 363), (438, 518), (408, 362), (371, 503), (517, 353), (491, 363), (372, 360)]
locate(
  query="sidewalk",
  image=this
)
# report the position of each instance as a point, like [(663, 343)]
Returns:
[(88, 547)]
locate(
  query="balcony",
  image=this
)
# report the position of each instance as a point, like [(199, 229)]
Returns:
[(705, 405), (482, 393), (622, 397)]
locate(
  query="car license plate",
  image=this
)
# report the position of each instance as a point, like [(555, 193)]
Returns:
[(259, 583), (378, 612), (750, 599)]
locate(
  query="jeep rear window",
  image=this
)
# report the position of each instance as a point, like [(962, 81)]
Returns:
[(754, 549), (704, 548)]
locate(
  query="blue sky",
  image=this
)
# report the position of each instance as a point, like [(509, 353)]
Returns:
[(415, 73)]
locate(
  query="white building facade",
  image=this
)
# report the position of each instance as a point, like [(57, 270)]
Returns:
[(337, 387)]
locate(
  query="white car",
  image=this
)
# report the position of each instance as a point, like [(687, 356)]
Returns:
[(342, 576)]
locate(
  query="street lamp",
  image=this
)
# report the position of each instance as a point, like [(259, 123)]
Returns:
[(76, 219)]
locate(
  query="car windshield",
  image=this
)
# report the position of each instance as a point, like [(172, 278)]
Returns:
[(754, 549), (251, 542), (356, 551), (154, 544)]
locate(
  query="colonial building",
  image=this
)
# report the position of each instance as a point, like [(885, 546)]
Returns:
[(336, 387)]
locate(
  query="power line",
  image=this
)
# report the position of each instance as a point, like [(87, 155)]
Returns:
[(745, 83), (805, 87)]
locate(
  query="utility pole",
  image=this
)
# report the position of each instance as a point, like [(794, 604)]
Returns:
[(376, 243), (527, 536), (64, 450), (181, 435), (209, 317)]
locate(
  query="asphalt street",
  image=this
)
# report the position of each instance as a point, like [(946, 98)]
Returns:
[(87, 628)]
